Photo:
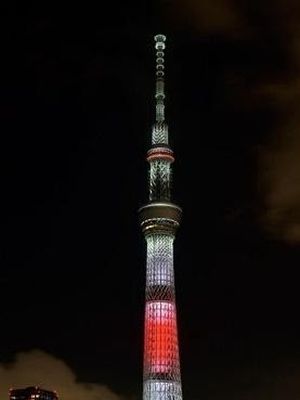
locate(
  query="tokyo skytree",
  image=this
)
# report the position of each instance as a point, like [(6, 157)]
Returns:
[(159, 220)]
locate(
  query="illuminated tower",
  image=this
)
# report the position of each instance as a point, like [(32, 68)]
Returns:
[(159, 221)]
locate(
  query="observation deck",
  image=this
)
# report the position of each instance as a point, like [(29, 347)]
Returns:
[(160, 217)]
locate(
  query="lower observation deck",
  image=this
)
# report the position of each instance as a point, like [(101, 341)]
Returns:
[(160, 217)]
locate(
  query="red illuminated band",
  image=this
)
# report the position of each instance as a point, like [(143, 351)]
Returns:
[(161, 346), (160, 153)]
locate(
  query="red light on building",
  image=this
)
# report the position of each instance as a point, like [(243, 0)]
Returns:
[(161, 347)]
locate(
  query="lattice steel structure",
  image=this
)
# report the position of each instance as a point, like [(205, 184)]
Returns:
[(159, 220)]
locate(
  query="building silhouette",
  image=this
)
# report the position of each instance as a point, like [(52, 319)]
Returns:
[(32, 393)]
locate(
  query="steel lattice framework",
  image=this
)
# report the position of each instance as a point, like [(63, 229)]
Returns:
[(160, 219)]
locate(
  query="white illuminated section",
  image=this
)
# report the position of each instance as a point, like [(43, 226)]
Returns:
[(160, 177), (160, 260), (158, 390), (160, 134)]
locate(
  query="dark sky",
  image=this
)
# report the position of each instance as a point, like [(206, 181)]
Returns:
[(76, 97)]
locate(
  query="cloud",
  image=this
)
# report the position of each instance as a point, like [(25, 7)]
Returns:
[(280, 177), (282, 382), (39, 368), (275, 25), (206, 16), (279, 161)]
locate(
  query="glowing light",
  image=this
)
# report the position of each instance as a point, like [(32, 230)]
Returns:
[(160, 179), (161, 347), (160, 261), (160, 132), (157, 390)]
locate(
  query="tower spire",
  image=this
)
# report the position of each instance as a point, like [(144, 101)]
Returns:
[(160, 74), (159, 220), (160, 128)]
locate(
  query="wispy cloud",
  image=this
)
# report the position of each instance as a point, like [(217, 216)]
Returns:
[(39, 368), (275, 27)]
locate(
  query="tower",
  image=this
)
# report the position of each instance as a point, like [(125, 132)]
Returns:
[(159, 220)]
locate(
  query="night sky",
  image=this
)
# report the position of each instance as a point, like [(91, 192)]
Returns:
[(76, 109)]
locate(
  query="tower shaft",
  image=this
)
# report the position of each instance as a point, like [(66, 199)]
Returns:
[(160, 219)]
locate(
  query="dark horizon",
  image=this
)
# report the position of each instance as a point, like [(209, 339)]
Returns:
[(77, 107)]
